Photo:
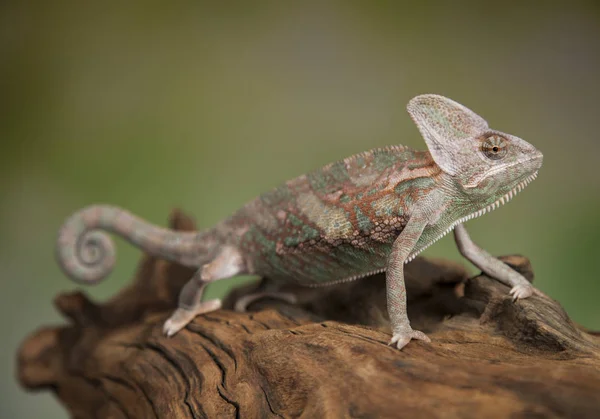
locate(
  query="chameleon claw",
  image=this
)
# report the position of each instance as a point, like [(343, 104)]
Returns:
[(401, 339), (169, 329), (181, 317), (521, 291)]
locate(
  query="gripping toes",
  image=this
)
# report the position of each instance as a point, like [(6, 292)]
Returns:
[(521, 291), (181, 317), (401, 339)]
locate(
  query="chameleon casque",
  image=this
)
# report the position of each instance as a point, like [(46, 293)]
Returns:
[(369, 213)]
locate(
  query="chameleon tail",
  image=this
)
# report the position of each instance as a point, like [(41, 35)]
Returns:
[(87, 255)]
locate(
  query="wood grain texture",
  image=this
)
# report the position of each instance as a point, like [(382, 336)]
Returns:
[(326, 356)]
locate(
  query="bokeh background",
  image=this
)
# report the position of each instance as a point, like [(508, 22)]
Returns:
[(203, 105)]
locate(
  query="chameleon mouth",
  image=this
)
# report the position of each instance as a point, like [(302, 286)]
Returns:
[(503, 200)]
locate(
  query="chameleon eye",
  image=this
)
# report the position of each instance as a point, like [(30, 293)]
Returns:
[(494, 147)]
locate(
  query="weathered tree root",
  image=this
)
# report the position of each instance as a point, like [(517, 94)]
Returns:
[(326, 356)]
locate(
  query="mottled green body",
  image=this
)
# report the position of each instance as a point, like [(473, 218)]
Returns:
[(337, 222)]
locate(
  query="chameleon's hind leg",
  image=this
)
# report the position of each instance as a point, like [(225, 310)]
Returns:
[(228, 263), (266, 289)]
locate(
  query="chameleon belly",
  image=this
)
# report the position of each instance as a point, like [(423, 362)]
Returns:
[(337, 222)]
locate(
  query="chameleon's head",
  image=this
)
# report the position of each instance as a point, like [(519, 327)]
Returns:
[(482, 160)]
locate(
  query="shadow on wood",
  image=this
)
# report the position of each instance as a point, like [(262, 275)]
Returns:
[(326, 356)]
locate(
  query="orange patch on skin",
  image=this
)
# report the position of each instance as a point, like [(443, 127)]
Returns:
[(125, 223), (91, 217)]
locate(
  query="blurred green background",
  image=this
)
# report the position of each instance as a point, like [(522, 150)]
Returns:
[(203, 105)]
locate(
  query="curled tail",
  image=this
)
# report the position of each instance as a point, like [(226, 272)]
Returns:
[(88, 255)]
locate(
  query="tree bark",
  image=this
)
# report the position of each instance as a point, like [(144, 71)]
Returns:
[(326, 356)]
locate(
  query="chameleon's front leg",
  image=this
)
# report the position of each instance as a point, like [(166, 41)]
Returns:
[(402, 333), (521, 288)]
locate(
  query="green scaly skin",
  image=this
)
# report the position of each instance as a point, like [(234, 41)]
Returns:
[(368, 213)]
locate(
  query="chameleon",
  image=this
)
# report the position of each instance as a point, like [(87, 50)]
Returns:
[(368, 213)]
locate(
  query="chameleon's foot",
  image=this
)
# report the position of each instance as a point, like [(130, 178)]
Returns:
[(181, 317), (521, 291), (242, 303), (401, 339)]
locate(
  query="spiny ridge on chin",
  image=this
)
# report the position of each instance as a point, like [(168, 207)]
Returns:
[(504, 199)]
